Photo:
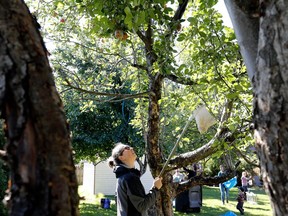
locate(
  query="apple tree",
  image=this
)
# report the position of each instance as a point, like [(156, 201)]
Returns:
[(172, 61)]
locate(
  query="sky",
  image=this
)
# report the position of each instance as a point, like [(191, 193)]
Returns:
[(220, 6)]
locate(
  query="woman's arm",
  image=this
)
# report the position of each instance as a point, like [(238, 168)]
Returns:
[(138, 197)]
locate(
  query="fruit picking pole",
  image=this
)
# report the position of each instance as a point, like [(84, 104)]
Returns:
[(176, 144)]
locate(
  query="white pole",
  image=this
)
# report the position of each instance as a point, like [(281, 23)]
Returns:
[(176, 144)]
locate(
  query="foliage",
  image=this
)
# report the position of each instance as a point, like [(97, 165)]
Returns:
[(95, 132), (95, 125), (89, 56)]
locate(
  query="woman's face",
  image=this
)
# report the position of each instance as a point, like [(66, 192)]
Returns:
[(127, 154)]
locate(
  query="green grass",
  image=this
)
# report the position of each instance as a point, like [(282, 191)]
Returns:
[(212, 206)]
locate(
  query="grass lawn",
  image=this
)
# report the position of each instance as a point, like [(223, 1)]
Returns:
[(212, 206)]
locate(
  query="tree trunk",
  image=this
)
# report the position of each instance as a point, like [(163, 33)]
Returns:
[(245, 22), (154, 157), (271, 103), (38, 139)]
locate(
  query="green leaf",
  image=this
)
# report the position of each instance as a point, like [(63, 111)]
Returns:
[(202, 34), (181, 37), (128, 18), (232, 95)]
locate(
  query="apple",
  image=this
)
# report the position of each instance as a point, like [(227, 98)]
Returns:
[(179, 26), (125, 36), (119, 34)]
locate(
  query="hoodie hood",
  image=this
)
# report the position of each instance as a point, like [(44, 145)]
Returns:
[(122, 170)]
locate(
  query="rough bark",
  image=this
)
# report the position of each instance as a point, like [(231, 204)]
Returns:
[(38, 140), (154, 157), (271, 103)]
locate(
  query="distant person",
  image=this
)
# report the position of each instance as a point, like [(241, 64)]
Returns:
[(130, 193), (240, 200), (244, 181), (223, 190), (195, 192), (178, 176), (258, 182), (191, 172)]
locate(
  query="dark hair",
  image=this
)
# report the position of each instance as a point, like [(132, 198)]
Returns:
[(114, 160)]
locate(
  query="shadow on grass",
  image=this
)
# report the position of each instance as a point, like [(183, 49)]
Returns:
[(88, 209)]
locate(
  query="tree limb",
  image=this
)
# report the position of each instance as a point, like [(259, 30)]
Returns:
[(201, 180), (179, 80), (201, 153), (245, 158), (116, 95), (245, 22), (180, 11), (177, 17)]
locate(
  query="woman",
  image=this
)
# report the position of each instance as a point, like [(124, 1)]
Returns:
[(131, 197), (244, 181), (223, 190)]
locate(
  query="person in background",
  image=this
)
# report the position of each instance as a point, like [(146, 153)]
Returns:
[(223, 190), (191, 172), (240, 200), (178, 176), (130, 193), (195, 192), (244, 183)]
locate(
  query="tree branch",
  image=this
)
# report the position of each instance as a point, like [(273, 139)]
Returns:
[(201, 180), (187, 158), (245, 158), (201, 153), (245, 19), (179, 80), (180, 11), (116, 95), (177, 17)]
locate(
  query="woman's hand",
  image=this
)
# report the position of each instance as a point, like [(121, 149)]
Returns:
[(157, 182)]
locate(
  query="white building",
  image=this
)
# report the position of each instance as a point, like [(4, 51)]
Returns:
[(101, 179)]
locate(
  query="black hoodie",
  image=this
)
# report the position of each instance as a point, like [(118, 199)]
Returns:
[(131, 197)]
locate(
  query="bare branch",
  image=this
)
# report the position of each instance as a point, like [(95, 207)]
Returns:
[(246, 158), (201, 153), (116, 95), (180, 10), (201, 180), (187, 158), (177, 17)]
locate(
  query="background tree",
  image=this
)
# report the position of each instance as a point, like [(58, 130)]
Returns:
[(38, 149), (263, 46), (96, 122)]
